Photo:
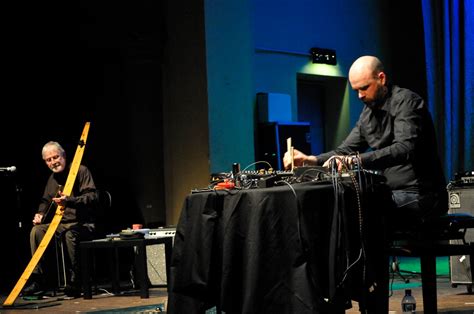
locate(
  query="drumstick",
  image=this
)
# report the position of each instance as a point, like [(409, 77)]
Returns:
[(290, 149)]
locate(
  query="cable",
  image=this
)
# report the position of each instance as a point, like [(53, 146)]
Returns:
[(349, 267), (319, 175), (106, 292), (289, 185), (335, 176)]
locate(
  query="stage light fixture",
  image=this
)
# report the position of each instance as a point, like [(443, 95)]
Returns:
[(322, 55)]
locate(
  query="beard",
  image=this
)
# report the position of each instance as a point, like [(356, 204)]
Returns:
[(378, 100)]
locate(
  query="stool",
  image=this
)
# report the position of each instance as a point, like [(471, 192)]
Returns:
[(140, 261), (429, 241)]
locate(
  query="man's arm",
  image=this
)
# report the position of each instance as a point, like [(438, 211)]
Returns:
[(407, 130), (353, 143), (85, 194)]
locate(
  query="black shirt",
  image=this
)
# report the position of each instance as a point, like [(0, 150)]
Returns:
[(399, 139), (80, 204)]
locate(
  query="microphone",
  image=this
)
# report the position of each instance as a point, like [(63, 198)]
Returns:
[(8, 169)]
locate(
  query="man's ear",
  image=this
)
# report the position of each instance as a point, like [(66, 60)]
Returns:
[(382, 77)]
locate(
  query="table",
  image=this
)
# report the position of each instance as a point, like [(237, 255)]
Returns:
[(282, 249), (140, 261)]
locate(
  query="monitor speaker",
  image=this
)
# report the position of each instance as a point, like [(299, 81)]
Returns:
[(273, 107), (156, 259), (156, 264), (461, 200), (271, 141)]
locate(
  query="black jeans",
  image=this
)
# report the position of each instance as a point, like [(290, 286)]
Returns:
[(72, 233), (412, 208)]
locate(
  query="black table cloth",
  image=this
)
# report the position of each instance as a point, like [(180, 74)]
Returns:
[(284, 249)]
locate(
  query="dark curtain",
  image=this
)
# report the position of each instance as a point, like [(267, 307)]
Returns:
[(449, 42)]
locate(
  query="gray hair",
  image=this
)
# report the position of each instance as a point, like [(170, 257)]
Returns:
[(58, 147)]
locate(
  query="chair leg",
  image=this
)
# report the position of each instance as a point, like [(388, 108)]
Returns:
[(58, 266), (428, 281), (395, 267), (60, 263), (63, 263)]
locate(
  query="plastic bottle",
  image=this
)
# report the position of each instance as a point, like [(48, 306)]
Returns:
[(408, 302)]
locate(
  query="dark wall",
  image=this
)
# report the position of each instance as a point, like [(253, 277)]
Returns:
[(68, 63), (408, 66), (122, 46)]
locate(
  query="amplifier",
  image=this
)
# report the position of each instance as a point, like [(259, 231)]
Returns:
[(461, 200), (161, 233), (156, 261), (464, 178)]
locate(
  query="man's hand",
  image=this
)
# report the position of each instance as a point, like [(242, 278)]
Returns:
[(61, 200), (37, 219), (342, 162), (300, 159)]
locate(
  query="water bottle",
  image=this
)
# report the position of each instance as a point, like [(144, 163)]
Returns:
[(408, 302)]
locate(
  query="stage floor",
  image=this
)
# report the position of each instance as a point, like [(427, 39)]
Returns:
[(450, 300)]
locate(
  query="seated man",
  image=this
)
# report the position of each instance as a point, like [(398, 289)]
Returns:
[(394, 134), (78, 217)]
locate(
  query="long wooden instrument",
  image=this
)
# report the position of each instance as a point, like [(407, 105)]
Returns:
[(54, 223)]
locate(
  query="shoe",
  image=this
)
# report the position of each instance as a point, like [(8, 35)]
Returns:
[(72, 291), (32, 289)]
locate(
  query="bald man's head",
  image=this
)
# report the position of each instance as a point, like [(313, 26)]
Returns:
[(367, 77), (366, 65)]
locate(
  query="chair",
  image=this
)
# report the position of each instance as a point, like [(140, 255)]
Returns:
[(437, 237), (104, 203)]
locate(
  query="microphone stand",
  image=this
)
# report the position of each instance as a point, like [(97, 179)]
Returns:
[(11, 171), (18, 191)]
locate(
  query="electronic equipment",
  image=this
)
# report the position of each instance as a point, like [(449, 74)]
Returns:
[(249, 178), (156, 261), (262, 178), (312, 173), (464, 178), (161, 233), (461, 201)]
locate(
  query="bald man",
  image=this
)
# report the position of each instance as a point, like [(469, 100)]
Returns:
[(394, 134)]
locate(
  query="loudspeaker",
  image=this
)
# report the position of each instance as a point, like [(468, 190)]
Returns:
[(273, 107), (461, 200), (156, 259), (156, 264), (271, 141)]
